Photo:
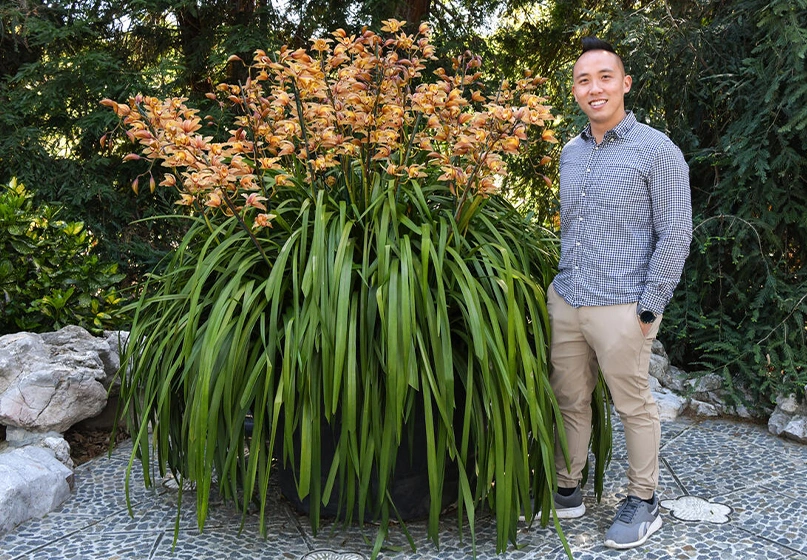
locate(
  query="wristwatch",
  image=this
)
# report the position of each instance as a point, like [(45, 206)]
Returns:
[(646, 316)]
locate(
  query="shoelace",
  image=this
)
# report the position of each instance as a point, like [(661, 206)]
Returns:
[(629, 509)]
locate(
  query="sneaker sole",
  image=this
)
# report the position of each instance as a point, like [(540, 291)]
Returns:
[(572, 512), (565, 513), (655, 526)]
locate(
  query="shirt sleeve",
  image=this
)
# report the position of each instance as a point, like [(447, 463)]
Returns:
[(671, 202)]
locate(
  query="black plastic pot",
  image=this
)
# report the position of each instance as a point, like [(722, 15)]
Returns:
[(408, 488)]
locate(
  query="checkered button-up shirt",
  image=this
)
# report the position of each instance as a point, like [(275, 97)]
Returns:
[(626, 218)]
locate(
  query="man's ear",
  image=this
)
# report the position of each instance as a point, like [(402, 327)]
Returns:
[(628, 81)]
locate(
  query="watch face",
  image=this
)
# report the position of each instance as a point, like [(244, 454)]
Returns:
[(647, 316)]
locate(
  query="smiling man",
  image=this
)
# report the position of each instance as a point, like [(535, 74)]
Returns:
[(626, 226)]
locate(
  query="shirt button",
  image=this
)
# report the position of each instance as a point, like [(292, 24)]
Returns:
[(588, 170), (578, 244), (583, 193)]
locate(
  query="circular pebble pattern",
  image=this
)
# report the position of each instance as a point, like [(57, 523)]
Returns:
[(332, 555), (693, 508)]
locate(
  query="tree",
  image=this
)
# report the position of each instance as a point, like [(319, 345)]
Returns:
[(60, 58), (78, 53)]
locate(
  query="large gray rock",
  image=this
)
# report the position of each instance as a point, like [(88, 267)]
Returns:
[(668, 375), (796, 429), (678, 380), (707, 387), (669, 405), (658, 348), (778, 421), (701, 408), (789, 404), (659, 363), (49, 382), (660, 369), (33, 482), (18, 437), (789, 419), (76, 339)]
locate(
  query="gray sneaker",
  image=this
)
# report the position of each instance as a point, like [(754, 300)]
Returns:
[(567, 507), (634, 522)]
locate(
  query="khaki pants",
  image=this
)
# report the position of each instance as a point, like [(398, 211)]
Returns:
[(609, 336)]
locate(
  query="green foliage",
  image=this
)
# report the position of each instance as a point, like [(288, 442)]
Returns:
[(52, 125), (749, 331), (741, 309), (358, 321), (49, 276)]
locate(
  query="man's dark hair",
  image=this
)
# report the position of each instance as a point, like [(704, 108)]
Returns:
[(595, 44), (592, 43)]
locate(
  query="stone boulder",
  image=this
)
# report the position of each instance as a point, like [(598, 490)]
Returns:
[(707, 388), (48, 383), (701, 408), (51, 381), (678, 380), (659, 364), (662, 377), (668, 375), (58, 446), (789, 419), (796, 429), (33, 482), (670, 405)]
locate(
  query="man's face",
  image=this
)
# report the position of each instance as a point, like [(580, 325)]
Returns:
[(600, 85)]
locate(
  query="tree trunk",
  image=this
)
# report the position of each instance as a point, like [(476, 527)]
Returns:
[(195, 50), (417, 11)]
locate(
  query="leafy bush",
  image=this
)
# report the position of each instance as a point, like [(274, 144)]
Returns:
[(48, 275), (741, 309)]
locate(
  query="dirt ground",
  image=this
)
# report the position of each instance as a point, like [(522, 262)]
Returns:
[(87, 442)]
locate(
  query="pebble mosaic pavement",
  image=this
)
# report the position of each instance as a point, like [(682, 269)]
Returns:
[(729, 490)]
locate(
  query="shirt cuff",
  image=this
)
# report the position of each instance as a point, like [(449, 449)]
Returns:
[(654, 304)]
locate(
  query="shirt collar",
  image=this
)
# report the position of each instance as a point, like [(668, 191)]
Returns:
[(619, 131)]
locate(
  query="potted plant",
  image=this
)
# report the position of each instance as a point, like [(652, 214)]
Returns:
[(349, 276)]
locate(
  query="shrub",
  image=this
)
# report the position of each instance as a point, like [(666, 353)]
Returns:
[(48, 275)]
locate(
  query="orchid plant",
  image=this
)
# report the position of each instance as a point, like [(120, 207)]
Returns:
[(351, 264), (345, 116)]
